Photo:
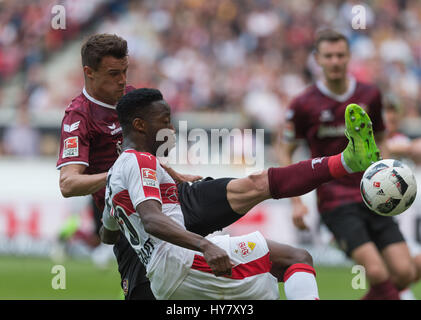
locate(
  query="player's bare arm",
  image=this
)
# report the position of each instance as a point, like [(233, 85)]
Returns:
[(74, 182), (287, 149), (180, 177), (161, 226)]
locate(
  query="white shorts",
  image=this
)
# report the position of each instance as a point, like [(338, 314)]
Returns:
[(250, 278)]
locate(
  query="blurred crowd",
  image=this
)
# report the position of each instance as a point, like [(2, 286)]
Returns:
[(245, 56)]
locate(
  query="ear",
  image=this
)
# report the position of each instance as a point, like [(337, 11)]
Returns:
[(139, 125), (316, 56), (89, 72)]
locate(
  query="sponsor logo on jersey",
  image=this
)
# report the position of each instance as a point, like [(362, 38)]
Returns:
[(169, 193), (149, 178), (331, 131), (71, 127), (71, 147)]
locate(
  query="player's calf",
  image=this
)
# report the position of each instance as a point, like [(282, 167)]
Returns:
[(294, 267)]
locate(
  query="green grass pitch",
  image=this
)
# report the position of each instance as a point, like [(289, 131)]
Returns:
[(31, 278)]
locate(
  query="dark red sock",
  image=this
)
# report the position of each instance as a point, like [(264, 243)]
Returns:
[(382, 291), (305, 176)]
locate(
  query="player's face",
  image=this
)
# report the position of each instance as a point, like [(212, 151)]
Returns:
[(159, 125), (109, 81), (333, 58)]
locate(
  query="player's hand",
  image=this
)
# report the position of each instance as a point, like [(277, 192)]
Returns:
[(299, 211), (180, 177), (217, 259)]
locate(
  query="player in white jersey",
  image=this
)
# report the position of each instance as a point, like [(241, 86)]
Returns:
[(176, 272), (142, 201)]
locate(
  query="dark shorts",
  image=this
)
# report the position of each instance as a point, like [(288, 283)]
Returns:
[(205, 209), (354, 225)]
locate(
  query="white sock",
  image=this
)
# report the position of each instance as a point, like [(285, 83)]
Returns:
[(407, 294), (300, 282)]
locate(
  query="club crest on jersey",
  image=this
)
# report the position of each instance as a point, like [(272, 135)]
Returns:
[(149, 178), (71, 147), (326, 116), (245, 249)]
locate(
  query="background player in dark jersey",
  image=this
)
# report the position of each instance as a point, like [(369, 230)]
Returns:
[(316, 116)]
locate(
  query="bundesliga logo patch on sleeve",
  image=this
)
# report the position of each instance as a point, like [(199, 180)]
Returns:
[(149, 178), (71, 147)]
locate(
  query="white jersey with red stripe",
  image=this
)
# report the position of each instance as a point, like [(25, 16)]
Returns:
[(176, 272), (136, 177)]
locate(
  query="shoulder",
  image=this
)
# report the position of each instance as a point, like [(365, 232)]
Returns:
[(78, 105), (141, 159), (308, 93), (368, 88)]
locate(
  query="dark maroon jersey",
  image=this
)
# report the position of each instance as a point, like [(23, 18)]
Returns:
[(318, 117), (90, 135)]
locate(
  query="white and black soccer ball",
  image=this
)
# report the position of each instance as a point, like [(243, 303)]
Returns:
[(388, 187)]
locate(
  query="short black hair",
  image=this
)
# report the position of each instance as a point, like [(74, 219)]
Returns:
[(136, 104), (101, 45)]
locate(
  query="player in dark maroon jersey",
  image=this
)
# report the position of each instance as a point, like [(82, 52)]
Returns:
[(91, 138), (317, 117), (91, 134)]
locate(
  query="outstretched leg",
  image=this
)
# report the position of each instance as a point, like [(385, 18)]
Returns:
[(298, 179)]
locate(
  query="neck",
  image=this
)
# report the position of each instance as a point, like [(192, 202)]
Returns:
[(141, 146), (97, 95), (338, 87)]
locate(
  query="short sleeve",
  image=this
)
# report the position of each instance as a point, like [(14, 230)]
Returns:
[(108, 221), (141, 178), (74, 139)]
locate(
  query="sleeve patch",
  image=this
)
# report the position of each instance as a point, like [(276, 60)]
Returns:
[(149, 178), (71, 147)]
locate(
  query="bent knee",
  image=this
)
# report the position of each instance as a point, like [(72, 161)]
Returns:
[(303, 256), (258, 181), (405, 275)]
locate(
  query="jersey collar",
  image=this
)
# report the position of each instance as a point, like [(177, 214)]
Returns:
[(102, 104), (342, 97)]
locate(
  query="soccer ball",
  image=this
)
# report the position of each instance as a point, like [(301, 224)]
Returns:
[(388, 187)]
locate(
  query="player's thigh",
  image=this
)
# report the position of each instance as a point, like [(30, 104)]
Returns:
[(205, 206), (368, 256), (349, 227), (400, 263), (244, 193)]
